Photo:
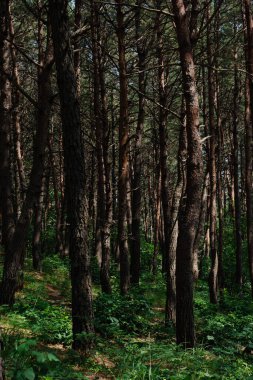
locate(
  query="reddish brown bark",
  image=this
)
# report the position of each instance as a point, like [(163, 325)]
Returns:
[(137, 165), (123, 154), (213, 275), (189, 212)]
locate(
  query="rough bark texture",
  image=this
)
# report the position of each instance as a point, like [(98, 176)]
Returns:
[(16, 123), (77, 45), (213, 275), (170, 308), (123, 155), (249, 134), (102, 135), (220, 193), (235, 154), (170, 257), (6, 205), (137, 165), (37, 228), (106, 231), (82, 312), (189, 213), (197, 258)]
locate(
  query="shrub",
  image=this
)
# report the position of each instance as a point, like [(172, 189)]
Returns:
[(117, 315)]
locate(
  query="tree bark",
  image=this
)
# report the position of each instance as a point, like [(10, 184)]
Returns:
[(189, 213), (123, 154), (170, 307), (136, 185), (82, 312), (6, 204), (249, 134), (235, 157), (213, 275)]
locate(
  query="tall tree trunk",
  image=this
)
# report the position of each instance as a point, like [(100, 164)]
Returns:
[(58, 201), (157, 222), (235, 155), (123, 154), (99, 134), (37, 228), (42, 95), (136, 185), (108, 216), (189, 213), (220, 191), (213, 275), (16, 120), (169, 261), (77, 45), (6, 205), (170, 307), (102, 131), (82, 312), (249, 134), (197, 258)]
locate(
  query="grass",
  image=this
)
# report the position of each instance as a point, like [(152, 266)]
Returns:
[(131, 340)]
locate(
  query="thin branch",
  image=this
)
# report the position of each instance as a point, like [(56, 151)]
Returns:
[(21, 90), (155, 102)]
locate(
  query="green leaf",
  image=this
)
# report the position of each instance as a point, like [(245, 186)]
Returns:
[(52, 357), (29, 374), (41, 357)]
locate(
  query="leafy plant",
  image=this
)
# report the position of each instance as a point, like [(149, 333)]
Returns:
[(117, 315)]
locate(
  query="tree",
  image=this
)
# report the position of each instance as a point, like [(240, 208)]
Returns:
[(123, 154), (137, 164), (189, 212), (82, 312), (249, 133)]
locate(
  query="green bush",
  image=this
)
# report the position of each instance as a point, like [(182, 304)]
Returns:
[(117, 315), (52, 323), (27, 362)]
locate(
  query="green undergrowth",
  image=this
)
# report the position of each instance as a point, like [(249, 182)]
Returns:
[(131, 340)]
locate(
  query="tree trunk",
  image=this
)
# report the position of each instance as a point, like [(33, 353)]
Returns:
[(213, 275), (108, 216), (170, 308), (189, 212), (249, 134), (235, 157), (82, 312), (16, 122), (136, 185), (6, 205), (170, 257), (123, 155)]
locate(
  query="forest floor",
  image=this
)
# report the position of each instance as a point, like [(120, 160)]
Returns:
[(131, 341)]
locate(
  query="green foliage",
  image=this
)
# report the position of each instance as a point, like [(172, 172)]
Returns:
[(29, 363), (27, 359), (131, 339), (147, 250), (229, 257), (118, 315), (51, 323), (165, 360), (57, 271)]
